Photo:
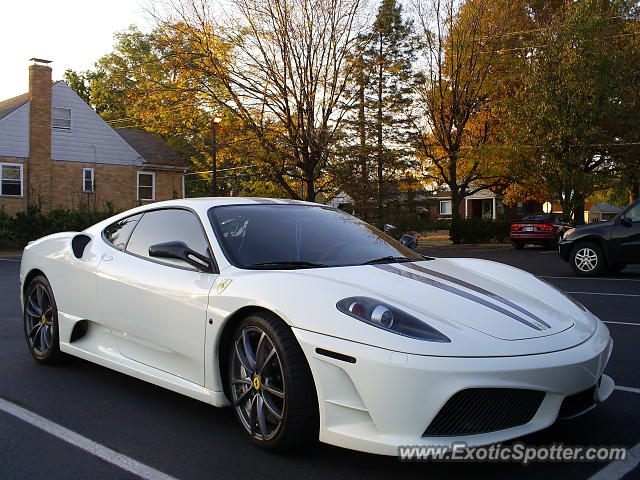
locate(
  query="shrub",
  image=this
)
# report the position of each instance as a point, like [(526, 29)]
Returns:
[(17, 231), (478, 230)]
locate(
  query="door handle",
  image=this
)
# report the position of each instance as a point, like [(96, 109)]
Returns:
[(106, 257)]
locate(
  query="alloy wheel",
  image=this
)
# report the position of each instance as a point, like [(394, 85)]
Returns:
[(257, 385), (586, 259), (39, 319)]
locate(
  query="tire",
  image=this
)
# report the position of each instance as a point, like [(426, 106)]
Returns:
[(587, 259), (271, 386), (40, 321), (518, 245), (616, 268)]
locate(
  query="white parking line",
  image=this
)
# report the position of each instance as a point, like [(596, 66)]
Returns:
[(627, 389), (620, 468), (9, 260), (610, 294), (83, 443), (622, 323)]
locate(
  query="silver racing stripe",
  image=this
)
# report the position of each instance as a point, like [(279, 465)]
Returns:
[(457, 291), (477, 289)]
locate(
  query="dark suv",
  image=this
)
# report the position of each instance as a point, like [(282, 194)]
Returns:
[(606, 246)]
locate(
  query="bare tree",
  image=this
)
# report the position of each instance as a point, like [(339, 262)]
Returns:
[(279, 66), (461, 42)]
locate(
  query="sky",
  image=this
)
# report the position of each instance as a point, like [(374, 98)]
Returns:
[(70, 33)]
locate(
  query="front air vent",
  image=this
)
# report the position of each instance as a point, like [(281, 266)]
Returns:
[(577, 404), (481, 410), (79, 330)]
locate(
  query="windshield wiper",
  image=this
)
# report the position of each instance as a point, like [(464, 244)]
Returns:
[(389, 259), (286, 264)]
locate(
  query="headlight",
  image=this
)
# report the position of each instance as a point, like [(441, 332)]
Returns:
[(568, 232), (389, 318)]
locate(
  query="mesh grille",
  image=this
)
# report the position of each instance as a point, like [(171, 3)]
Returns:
[(481, 410)]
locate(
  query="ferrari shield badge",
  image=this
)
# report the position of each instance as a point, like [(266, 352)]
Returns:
[(222, 285)]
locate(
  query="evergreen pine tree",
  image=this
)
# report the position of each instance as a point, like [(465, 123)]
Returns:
[(378, 129)]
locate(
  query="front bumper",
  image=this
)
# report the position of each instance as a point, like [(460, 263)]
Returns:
[(564, 249), (387, 399)]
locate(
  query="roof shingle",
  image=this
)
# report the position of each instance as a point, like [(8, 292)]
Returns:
[(9, 105), (151, 147)]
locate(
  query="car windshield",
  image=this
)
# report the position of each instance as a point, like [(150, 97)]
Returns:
[(301, 236)]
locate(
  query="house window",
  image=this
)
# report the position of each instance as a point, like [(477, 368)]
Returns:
[(88, 177), (11, 179), (445, 207), (61, 118), (146, 186)]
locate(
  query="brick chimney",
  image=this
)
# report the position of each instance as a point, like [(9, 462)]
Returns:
[(39, 174)]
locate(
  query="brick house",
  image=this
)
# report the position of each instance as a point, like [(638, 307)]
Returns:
[(57, 152)]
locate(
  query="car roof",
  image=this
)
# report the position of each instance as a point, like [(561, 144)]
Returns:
[(208, 202), (203, 204)]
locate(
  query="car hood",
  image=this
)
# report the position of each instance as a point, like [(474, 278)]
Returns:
[(594, 226), (444, 292), (486, 308)]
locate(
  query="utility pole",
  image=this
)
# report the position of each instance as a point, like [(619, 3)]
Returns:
[(214, 150)]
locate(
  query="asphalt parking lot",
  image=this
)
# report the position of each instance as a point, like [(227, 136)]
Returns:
[(186, 439)]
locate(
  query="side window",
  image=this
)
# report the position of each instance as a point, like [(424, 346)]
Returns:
[(634, 213), (118, 233), (160, 226)]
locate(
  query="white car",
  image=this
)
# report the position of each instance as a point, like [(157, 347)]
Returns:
[(313, 324)]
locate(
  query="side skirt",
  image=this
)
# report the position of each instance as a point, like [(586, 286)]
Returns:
[(114, 361)]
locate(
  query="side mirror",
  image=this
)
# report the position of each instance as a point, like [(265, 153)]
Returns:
[(626, 222), (409, 241), (180, 251)]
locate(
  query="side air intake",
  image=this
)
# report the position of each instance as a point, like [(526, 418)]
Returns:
[(79, 243)]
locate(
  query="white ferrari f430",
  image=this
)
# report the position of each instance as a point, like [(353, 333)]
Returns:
[(312, 325)]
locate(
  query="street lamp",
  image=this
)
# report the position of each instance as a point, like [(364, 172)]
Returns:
[(214, 147)]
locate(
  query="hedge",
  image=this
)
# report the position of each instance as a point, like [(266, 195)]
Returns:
[(18, 230), (479, 230)]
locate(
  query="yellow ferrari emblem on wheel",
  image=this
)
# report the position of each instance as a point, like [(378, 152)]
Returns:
[(256, 383)]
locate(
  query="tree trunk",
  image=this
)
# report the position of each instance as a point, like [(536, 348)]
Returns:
[(310, 193), (579, 210), (455, 204), (363, 145), (380, 144), (634, 189), (567, 206)]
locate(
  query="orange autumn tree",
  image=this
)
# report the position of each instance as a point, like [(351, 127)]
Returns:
[(457, 144)]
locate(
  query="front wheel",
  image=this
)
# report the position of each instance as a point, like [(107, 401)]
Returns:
[(587, 259), (41, 321), (270, 384)]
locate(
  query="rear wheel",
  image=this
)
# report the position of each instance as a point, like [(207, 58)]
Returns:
[(518, 245), (587, 259), (270, 384), (41, 321)]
